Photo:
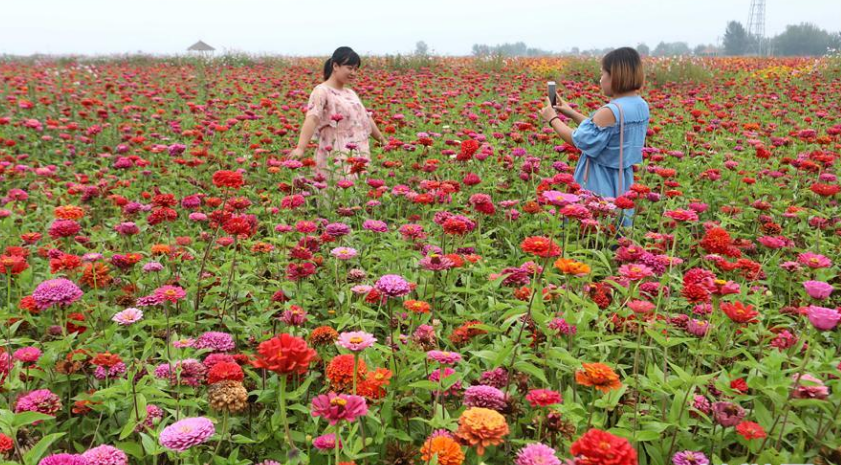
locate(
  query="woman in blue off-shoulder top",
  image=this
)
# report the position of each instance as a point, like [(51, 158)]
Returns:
[(623, 122)]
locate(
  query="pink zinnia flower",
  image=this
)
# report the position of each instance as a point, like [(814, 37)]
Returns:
[(170, 293), (543, 397), (63, 459), (27, 354), (641, 306), (444, 358), (326, 442), (335, 408), (813, 260), (635, 271), (41, 401), (105, 455), (393, 285), (824, 319), (128, 316), (486, 397), (809, 387), (356, 341), (343, 253), (537, 454), (818, 289), (186, 433), (60, 291)]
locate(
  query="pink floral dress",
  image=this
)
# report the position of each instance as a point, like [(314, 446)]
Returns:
[(343, 127)]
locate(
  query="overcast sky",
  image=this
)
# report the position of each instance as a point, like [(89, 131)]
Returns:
[(307, 27)]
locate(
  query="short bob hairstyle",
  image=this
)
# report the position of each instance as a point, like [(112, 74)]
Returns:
[(625, 69)]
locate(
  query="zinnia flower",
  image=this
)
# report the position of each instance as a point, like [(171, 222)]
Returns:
[(481, 427), (356, 341), (335, 408), (818, 289), (537, 454), (393, 285), (823, 319), (543, 397), (485, 396), (597, 447), (186, 433), (689, 457), (63, 459), (598, 375), (727, 413), (105, 455), (284, 354), (58, 291), (128, 316), (444, 358), (445, 448)]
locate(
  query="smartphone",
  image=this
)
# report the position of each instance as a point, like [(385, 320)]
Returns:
[(552, 91)]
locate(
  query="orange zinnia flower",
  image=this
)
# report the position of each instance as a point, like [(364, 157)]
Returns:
[(569, 266), (598, 375), (481, 427), (446, 448)]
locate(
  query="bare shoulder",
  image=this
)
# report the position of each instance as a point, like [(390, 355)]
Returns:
[(604, 117)]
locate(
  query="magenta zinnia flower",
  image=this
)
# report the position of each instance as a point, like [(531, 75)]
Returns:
[(170, 293), (537, 454), (486, 397), (818, 289), (444, 358), (356, 341), (326, 442), (58, 291), (63, 459), (216, 341), (335, 408), (393, 285), (822, 318), (105, 455), (41, 401), (186, 433), (689, 457)]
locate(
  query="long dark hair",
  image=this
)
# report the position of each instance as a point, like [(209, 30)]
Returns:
[(342, 56)]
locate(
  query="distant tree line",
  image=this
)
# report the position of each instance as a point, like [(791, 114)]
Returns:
[(796, 40)]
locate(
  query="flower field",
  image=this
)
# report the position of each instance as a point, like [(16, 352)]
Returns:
[(176, 290)]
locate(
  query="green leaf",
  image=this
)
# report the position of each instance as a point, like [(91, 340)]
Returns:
[(28, 418), (529, 368), (36, 453)]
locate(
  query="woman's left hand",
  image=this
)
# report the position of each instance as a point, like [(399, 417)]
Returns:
[(547, 112)]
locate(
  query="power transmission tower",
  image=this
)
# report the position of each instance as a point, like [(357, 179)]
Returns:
[(756, 26)]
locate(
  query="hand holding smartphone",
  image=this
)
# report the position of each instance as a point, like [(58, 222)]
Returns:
[(552, 90)]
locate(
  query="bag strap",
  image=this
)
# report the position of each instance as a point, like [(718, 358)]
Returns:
[(621, 147)]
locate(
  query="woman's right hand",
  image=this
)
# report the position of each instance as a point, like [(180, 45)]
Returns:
[(561, 105), (296, 153)]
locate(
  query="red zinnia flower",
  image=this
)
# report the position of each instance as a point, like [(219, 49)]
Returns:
[(224, 371), (229, 179), (750, 430), (597, 447), (284, 354), (540, 246), (739, 312)]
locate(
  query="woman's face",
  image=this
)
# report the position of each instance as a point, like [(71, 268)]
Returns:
[(345, 73), (604, 82)]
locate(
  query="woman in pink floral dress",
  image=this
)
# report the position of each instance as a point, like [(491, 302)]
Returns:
[(337, 117)]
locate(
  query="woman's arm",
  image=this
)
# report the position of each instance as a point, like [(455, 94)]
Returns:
[(307, 130), (551, 116), (567, 110), (375, 131)]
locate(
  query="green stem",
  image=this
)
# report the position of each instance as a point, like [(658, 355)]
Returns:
[(282, 401)]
